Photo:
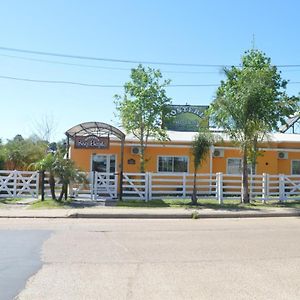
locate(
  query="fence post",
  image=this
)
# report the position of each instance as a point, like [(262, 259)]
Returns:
[(149, 183), (42, 185), (15, 183), (281, 188), (219, 187), (147, 186), (265, 187), (92, 180), (184, 185), (116, 186)]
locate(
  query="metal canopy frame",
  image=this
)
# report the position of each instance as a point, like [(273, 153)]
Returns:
[(99, 129), (290, 123)]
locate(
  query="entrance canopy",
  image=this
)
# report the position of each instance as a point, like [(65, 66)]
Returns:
[(94, 128), (100, 130)]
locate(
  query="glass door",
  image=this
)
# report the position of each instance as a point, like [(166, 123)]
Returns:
[(104, 163)]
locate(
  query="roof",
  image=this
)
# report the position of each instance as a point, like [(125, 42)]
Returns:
[(94, 128), (187, 137)]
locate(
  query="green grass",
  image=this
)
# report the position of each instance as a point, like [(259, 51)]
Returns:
[(9, 200), (207, 203), (49, 204)]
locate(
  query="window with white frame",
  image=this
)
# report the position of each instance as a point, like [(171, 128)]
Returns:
[(172, 164), (234, 166), (295, 167)]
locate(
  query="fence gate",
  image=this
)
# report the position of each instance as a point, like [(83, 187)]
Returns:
[(104, 185), (18, 184)]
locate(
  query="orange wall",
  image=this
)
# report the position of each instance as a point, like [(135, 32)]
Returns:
[(268, 163)]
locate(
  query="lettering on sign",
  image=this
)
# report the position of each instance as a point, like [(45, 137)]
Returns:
[(185, 117), (91, 142)]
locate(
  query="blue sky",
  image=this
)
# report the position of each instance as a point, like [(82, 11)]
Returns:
[(202, 32)]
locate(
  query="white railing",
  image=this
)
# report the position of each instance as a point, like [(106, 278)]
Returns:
[(148, 186), (18, 184)]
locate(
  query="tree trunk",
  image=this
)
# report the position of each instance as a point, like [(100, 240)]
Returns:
[(194, 195), (52, 185), (63, 192), (245, 187), (66, 192)]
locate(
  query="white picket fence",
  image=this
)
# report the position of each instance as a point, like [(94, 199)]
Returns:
[(18, 184), (148, 186), (220, 186)]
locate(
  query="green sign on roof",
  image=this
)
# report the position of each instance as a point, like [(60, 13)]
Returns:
[(185, 117)]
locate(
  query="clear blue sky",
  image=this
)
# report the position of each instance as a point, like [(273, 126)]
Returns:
[(203, 32)]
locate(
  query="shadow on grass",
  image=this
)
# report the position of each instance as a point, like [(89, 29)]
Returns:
[(228, 205), (186, 203), (141, 203)]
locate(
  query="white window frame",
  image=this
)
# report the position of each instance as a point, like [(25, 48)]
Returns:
[(107, 159), (294, 160), (227, 166), (249, 166), (157, 164)]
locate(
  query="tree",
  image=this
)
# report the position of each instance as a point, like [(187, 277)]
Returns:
[(200, 149), (2, 156), (251, 103), (61, 168), (143, 106), (20, 152), (45, 128)]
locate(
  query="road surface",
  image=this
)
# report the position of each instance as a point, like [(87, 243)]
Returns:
[(165, 259)]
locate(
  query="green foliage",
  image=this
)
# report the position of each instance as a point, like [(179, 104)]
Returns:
[(61, 168), (20, 153), (2, 156), (251, 103), (143, 106), (200, 149)]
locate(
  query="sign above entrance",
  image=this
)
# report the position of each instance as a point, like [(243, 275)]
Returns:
[(185, 117), (91, 142)]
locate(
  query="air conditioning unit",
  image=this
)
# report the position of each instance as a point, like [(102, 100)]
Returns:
[(218, 153), (282, 155), (135, 150)]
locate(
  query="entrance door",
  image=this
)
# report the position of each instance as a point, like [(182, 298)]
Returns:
[(104, 178), (104, 163)]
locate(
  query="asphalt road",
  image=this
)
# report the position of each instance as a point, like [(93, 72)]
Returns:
[(19, 259), (166, 259)]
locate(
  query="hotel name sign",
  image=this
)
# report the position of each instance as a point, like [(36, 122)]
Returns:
[(185, 117), (91, 142)]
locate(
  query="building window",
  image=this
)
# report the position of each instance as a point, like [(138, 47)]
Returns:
[(295, 167), (172, 164), (234, 166)]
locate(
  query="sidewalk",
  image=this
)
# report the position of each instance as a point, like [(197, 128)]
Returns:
[(146, 213)]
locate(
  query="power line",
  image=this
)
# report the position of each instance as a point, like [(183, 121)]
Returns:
[(72, 56), (99, 67), (93, 85), (59, 82), (110, 59), (105, 85)]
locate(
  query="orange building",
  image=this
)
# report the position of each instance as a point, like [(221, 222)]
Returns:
[(279, 155)]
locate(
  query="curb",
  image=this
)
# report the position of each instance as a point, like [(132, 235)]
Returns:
[(192, 215), (130, 216), (184, 216)]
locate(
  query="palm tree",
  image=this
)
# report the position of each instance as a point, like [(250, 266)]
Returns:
[(67, 172), (47, 165), (61, 168), (200, 149)]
